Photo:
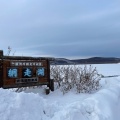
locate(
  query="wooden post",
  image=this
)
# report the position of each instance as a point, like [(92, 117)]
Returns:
[(1, 68), (47, 90), (52, 84), (48, 73), (1, 54)]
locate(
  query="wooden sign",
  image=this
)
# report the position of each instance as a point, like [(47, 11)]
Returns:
[(17, 71)]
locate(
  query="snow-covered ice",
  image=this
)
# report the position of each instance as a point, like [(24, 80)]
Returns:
[(33, 104)]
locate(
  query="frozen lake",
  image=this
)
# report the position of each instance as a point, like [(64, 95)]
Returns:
[(108, 69)]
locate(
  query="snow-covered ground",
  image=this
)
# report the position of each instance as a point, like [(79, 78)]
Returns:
[(33, 104)]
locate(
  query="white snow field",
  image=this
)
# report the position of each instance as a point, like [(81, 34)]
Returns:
[(33, 104)]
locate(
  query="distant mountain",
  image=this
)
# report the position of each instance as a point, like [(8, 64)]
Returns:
[(93, 60), (62, 61), (97, 60)]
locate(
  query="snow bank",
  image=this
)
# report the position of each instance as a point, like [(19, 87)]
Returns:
[(102, 105), (21, 106)]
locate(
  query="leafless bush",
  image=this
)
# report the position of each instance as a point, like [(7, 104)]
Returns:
[(88, 79), (56, 73), (9, 50), (66, 81), (84, 80)]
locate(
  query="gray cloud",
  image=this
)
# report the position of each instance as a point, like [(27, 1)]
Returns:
[(61, 28)]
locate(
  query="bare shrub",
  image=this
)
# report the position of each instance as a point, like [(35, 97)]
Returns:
[(9, 50), (88, 80), (84, 80), (56, 73), (66, 81)]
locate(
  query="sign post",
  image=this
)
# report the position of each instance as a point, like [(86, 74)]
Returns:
[(17, 71), (1, 68)]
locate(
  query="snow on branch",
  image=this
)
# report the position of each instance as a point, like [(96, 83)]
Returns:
[(82, 79)]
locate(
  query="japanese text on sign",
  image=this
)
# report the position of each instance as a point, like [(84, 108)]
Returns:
[(14, 63), (26, 72), (40, 71), (12, 72)]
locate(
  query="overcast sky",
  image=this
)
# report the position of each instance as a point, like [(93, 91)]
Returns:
[(60, 28)]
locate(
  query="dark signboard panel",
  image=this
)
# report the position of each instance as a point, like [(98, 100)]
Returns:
[(25, 73), (17, 71)]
